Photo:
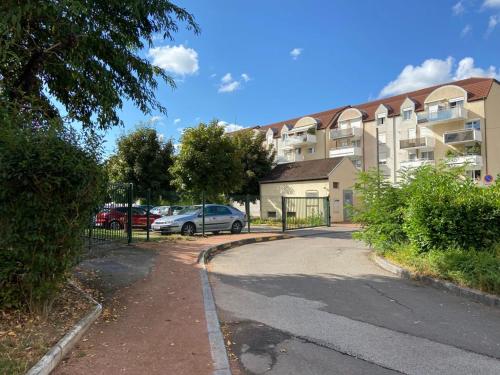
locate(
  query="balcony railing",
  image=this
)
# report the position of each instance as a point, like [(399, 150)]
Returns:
[(346, 133), (462, 136), (345, 151), (299, 140), (289, 158), (469, 161), (413, 143), (442, 115), (415, 163)]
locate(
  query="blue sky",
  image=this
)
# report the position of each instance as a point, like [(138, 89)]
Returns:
[(257, 62)]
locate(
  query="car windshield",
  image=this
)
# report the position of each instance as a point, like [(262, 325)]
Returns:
[(189, 210)]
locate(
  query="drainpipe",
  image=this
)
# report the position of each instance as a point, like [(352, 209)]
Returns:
[(485, 141), (394, 145)]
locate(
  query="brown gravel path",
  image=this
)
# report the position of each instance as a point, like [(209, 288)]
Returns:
[(155, 326)]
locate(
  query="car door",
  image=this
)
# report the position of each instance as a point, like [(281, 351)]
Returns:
[(224, 218), (211, 219), (138, 217)]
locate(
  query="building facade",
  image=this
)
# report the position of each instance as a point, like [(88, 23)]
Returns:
[(456, 123)]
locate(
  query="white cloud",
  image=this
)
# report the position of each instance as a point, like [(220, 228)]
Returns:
[(230, 127), (435, 71), (177, 120), (458, 8), (229, 84), (491, 4), (492, 23), (161, 137), (175, 59), (466, 69), (181, 130), (466, 30), (296, 52), (155, 119)]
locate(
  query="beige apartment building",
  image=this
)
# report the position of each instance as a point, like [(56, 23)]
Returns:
[(456, 123)]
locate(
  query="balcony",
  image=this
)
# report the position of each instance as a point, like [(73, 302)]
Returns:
[(415, 163), (299, 140), (442, 115), (289, 158), (345, 151), (415, 143), (346, 133), (462, 136), (469, 161)]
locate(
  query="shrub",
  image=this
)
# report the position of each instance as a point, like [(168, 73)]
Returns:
[(48, 188), (380, 211)]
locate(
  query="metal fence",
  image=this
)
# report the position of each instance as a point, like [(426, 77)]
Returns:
[(305, 212)]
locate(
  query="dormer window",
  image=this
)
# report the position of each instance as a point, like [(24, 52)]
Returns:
[(381, 119), (407, 113), (457, 102)]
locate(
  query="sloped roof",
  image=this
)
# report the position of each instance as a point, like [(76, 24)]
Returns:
[(302, 171)]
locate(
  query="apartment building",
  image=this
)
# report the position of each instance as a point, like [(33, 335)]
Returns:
[(457, 123)]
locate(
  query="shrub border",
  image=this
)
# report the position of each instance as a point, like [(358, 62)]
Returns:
[(472, 294), (55, 355), (215, 336)]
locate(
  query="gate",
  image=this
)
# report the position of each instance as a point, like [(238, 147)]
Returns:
[(305, 212)]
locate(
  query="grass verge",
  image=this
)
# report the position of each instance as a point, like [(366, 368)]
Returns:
[(473, 269)]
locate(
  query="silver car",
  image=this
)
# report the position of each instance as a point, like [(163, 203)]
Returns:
[(189, 220)]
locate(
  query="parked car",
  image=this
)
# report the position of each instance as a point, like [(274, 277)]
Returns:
[(145, 207), (166, 210), (177, 209), (116, 218), (189, 220)]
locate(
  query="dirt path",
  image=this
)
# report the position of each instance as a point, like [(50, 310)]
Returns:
[(156, 325)]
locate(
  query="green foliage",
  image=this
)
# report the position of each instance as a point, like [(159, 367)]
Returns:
[(84, 54), (444, 210), (257, 162), (380, 211), (144, 160), (207, 162), (49, 186)]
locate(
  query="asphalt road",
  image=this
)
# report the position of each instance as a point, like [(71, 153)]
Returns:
[(319, 305)]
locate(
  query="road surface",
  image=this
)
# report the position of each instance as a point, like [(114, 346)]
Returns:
[(319, 305)]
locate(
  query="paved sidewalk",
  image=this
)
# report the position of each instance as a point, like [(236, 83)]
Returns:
[(157, 325)]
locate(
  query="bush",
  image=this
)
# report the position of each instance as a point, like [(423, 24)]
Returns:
[(48, 188)]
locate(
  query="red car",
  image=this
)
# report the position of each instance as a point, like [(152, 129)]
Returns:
[(116, 218)]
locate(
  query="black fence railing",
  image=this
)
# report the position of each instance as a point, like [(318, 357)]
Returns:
[(305, 212)]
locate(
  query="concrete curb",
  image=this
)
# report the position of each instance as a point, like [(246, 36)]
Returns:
[(55, 355), (472, 294), (215, 336)]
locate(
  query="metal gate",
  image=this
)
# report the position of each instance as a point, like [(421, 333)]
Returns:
[(305, 212)]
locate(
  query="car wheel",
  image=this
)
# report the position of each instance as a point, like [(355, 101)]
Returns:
[(115, 225), (236, 227), (216, 232), (188, 229)]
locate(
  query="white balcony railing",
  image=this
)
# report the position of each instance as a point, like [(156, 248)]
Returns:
[(462, 136), (345, 151), (442, 115), (415, 163), (289, 158), (415, 143), (469, 161), (346, 133), (299, 140)]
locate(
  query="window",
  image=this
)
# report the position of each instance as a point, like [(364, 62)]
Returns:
[(412, 133), (312, 193), (357, 163), (381, 138), (412, 156), (298, 151), (271, 214), (407, 114), (221, 210), (427, 155), (210, 211), (343, 125), (311, 150), (457, 102), (474, 124), (335, 185), (381, 120)]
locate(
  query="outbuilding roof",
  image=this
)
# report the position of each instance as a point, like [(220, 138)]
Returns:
[(302, 171)]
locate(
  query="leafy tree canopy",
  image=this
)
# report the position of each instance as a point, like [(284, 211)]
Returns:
[(257, 162), (144, 160), (84, 54), (207, 162)]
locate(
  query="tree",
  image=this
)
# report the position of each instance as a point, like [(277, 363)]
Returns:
[(83, 54), (207, 163), (144, 160), (257, 162)]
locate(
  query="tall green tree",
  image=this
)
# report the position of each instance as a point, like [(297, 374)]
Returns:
[(143, 159), (207, 163), (85, 54), (257, 161)]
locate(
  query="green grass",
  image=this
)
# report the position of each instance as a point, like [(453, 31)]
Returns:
[(259, 221), (473, 269)]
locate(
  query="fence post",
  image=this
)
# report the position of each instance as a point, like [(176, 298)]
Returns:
[(247, 209), (328, 218), (203, 213), (129, 214), (283, 213), (148, 203)]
